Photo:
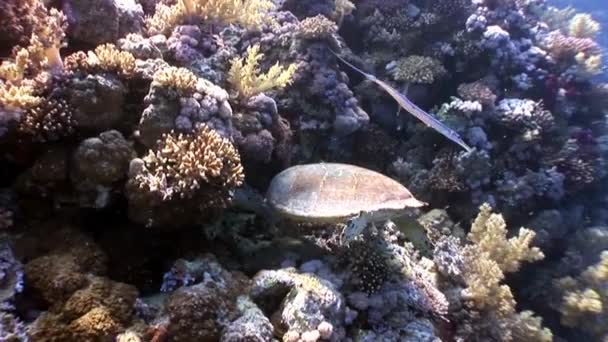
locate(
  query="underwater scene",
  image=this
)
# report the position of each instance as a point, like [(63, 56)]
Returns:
[(303, 170)]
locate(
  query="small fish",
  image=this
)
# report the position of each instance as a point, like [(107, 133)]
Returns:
[(409, 106)]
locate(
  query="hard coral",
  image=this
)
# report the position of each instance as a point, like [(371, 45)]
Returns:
[(317, 27), (185, 164), (108, 58), (249, 13), (181, 80), (486, 260), (585, 299), (50, 120), (418, 69), (245, 75), (583, 26)]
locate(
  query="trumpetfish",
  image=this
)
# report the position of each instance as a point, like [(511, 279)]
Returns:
[(411, 107)]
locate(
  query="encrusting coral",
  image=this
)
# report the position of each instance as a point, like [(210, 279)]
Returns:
[(246, 77)]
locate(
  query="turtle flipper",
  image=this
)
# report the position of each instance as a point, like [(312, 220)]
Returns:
[(354, 227)]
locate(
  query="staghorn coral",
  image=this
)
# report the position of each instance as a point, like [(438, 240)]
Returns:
[(583, 26), (245, 76), (252, 14), (184, 164), (418, 69), (585, 299)]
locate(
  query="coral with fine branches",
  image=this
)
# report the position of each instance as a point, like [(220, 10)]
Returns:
[(248, 80), (183, 164), (583, 26), (249, 13), (486, 261), (585, 299)]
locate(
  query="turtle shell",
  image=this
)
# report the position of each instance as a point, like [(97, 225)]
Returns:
[(331, 192)]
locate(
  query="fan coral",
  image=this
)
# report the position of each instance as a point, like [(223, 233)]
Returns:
[(181, 80), (245, 75), (583, 26), (585, 299), (249, 13), (184, 164), (418, 69)]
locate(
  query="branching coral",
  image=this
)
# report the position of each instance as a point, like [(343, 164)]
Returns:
[(585, 299), (180, 79), (418, 69), (49, 35), (249, 13), (246, 78), (583, 26), (486, 260), (183, 164), (108, 58), (489, 234)]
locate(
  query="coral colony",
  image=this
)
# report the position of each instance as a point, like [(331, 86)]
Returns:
[(138, 139)]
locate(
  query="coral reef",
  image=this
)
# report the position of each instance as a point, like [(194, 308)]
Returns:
[(137, 138)]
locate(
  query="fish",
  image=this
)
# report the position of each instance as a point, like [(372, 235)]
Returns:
[(412, 108)]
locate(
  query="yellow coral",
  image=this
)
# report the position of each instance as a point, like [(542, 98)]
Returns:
[(585, 299), (180, 79), (109, 59), (590, 64), (486, 260), (50, 34), (250, 13), (343, 9), (489, 233), (245, 76), (18, 97), (583, 26), (184, 164), (14, 71)]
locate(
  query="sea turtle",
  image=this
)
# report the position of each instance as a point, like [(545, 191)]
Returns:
[(338, 193)]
